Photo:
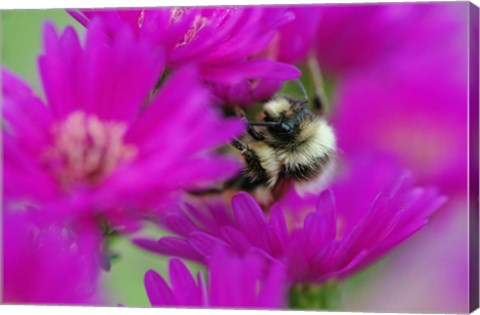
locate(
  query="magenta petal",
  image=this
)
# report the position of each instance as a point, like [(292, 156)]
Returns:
[(204, 301), (273, 292), (321, 225), (356, 261), (78, 16), (277, 220), (258, 69), (26, 116), (148, 244), (179, 223), (183, 284), (266, 88), (275, 243), (236, 238), (159, 294), (240, 288), (210, 219), (227, 43), (54, 75), (297, 260), (204, 243), (181, 88), (168, 246), (45, 263), (249, 214)]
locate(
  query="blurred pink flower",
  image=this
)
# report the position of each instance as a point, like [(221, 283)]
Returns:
[(353, 38), (47, 264), (224, 42), (327, 241), (401, 91), (248, 282), (296, 39), (100, 146), (413, 105), (435, 281)]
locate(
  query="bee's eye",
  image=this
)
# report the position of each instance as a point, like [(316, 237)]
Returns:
[(284, 127)]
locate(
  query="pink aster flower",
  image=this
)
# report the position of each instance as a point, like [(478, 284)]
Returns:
[(352, 227), (101, 145), (44, 263), (328, 241), (224, 42), (248, 282)]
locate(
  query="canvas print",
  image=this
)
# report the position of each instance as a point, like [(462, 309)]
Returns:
[(312, 157)]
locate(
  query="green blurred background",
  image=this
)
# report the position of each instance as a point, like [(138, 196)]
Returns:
[(21, 39)]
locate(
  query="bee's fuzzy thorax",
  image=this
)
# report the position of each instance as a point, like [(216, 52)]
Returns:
[(315, 147), (301, 158), (276, 106), (283, 105)]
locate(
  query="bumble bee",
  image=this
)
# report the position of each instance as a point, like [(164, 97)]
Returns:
[(289, 144)]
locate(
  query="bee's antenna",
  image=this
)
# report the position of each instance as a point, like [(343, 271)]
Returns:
[(302, 89), (264, 123)]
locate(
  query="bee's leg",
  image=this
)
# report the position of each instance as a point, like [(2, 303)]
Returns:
[(254, 133), (235, 181), (208, 191), (254, 169), (250, 129), (253, 174), (240, 146)]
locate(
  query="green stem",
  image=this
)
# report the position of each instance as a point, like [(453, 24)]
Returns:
[(106, 256), (317, 79), (315, 297)]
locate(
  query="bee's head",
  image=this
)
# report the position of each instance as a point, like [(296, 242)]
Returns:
[(288, 113)]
